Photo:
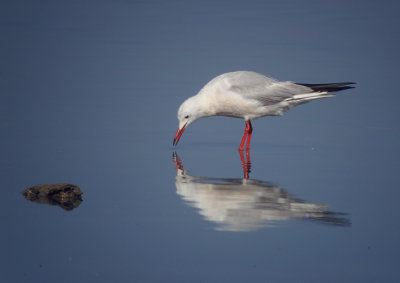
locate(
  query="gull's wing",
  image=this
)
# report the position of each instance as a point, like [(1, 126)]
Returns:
[(264, 89), (269, 91)]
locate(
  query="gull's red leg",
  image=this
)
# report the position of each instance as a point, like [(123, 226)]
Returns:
[(243, 139), (249, 129), (247, 134)]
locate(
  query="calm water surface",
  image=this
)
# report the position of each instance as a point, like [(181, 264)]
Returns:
[(89, 94)]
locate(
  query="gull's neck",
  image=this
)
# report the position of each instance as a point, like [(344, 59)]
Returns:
[(203, 105)]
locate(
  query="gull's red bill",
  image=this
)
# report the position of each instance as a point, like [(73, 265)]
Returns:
[(178, 135)]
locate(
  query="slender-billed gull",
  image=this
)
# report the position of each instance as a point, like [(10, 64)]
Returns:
[(249, 95)]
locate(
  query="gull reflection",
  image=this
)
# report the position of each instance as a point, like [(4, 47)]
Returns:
[(246, 204)]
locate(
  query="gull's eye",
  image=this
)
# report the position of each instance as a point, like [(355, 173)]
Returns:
[(187, 116)]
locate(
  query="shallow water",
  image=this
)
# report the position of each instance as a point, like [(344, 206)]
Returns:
[(89, 94)]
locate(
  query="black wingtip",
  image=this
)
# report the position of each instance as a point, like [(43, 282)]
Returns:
[(330, 87)]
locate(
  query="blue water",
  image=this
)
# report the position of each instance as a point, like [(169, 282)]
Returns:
[(89, 94)]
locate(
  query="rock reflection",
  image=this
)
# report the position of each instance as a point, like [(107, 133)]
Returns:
[(246, 204), (66, 196)]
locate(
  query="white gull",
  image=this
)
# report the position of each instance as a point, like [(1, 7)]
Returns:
[(249, 95)]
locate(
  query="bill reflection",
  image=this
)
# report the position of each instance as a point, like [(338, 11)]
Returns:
[(247, 204)]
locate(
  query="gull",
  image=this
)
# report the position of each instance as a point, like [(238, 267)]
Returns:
[(249, 95)]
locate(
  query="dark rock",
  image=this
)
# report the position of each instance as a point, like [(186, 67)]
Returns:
[(67, 196)]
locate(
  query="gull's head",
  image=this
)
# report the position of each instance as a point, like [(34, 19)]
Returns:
[(189, 111)]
